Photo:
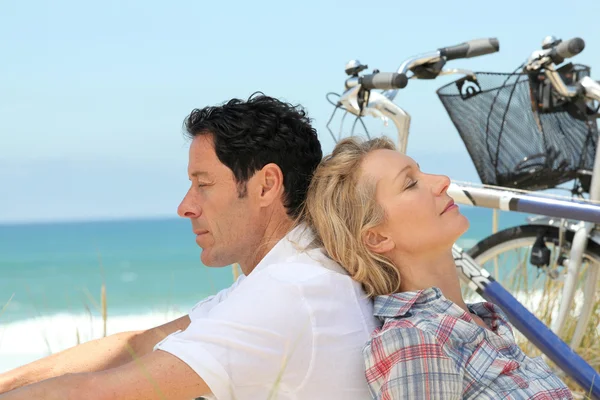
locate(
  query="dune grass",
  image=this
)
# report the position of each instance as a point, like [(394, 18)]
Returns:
[(589, 348), (540, 290)]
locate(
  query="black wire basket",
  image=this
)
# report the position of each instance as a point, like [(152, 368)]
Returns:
[(519, 132)]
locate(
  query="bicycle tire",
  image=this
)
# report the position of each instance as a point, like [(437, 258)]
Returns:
[(523, 237)]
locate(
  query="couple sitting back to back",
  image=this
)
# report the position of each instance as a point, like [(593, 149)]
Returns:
[(301, 322)]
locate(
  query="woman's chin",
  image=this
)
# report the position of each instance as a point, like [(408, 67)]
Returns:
[(462, 226), (466, 223)]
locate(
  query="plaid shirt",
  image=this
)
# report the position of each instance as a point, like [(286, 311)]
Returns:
[(429, 348)]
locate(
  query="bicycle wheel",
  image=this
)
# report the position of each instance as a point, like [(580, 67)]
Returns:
[(506, 256)]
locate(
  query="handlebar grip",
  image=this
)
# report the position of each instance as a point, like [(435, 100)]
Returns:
[(472, 48), (569, 48), (384, 81)]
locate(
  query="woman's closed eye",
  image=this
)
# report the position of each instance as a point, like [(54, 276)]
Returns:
[(411, 184)]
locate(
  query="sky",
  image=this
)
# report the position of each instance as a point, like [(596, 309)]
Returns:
[(93, 94)]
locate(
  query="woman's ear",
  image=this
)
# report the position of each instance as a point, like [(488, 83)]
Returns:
[(378, 242)]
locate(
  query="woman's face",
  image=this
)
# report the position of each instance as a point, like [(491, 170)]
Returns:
[(419, 214)]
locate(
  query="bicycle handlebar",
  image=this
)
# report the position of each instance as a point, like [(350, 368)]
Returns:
[(548, 58), (384, 80), (567, 49), (391, 82), (472, 48)]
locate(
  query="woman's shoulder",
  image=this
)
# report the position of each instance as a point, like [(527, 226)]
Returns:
[(425, 310), (427, 316)]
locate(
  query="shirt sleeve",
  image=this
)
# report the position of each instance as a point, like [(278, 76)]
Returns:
[(410, 364), (258, 341)]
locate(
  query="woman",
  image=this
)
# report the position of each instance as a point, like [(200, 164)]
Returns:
[(392, 227)]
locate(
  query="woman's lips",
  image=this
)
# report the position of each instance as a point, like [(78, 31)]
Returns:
[(449, 206)]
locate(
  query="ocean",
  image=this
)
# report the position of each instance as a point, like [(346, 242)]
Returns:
[(51, 277)]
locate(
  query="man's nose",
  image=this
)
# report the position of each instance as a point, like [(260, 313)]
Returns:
[(188, 208)]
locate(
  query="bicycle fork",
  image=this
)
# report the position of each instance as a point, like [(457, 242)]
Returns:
[(574, 266)]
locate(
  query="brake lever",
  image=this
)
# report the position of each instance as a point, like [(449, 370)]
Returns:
[(349, 100), (429, 70), (538, 59)]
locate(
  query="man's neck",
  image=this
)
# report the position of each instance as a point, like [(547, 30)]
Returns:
[(273, 232)]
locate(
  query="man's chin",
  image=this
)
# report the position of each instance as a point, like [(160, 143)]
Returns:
[(211, 262)]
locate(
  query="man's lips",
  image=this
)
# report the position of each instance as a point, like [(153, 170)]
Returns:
[(199, 232)]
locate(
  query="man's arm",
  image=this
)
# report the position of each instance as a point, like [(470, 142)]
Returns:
[(157, 375), (97, 355)]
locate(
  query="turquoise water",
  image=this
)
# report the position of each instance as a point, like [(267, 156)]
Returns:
[(147, 265)]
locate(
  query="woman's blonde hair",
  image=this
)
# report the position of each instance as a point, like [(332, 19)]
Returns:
[(341, 207)]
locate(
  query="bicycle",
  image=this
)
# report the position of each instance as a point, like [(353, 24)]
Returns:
[(360, 99), (539, 131)]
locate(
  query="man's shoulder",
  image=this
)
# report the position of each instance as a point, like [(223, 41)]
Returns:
[(297, 259), (298, 271), (316, 284), (304, 266)]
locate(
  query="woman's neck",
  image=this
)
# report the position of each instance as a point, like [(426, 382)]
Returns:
[(440, 271)]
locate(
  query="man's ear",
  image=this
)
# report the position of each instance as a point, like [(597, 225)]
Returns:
[(378, 242), (270, 184)]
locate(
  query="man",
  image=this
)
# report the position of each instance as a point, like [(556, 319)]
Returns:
[(292, 328)]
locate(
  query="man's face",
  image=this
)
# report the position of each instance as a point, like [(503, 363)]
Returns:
[(227, 227)]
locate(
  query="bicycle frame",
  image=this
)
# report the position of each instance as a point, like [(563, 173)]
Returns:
[(507, 200), (381, 105)]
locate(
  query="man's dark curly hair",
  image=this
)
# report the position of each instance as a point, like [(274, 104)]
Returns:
[(250, 134)]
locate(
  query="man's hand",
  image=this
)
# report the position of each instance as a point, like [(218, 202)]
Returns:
[(96, 355), (158, 375)]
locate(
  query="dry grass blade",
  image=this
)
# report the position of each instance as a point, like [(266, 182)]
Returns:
[(5, 306), (104, 309)]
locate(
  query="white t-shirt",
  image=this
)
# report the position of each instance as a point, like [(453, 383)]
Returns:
[(294, 328)]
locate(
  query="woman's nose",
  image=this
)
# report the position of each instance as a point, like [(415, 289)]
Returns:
[(441, 185)]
